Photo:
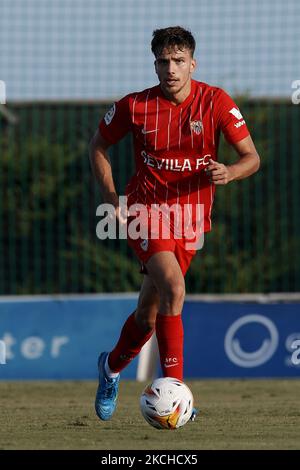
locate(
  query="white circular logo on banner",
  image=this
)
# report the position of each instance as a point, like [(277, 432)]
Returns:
[(256, 358)]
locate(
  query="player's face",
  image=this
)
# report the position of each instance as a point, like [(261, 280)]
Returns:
[(174, 68)]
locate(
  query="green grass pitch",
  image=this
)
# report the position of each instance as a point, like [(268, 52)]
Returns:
[(234, 414)]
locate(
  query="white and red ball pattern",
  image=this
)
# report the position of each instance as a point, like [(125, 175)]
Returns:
[(167, 403)]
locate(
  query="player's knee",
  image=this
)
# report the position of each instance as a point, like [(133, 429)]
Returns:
[(175, 292)]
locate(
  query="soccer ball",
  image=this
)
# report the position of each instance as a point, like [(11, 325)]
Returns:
[(167, 403)]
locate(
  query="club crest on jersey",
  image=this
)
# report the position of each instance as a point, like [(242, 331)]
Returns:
[(196, 126), (109, 115)]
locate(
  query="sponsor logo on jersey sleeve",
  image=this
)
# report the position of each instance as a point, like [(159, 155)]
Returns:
[(238, 115), (109, 115)]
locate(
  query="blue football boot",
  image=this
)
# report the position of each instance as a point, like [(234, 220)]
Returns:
[(107, 392)]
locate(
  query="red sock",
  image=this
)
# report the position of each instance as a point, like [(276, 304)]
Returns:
[(131, 341), (169, 333)]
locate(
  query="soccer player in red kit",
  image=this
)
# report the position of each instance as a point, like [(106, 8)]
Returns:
[(176, 127)]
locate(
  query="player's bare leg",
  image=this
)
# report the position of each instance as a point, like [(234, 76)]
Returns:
[(166, 274), (148, 305)]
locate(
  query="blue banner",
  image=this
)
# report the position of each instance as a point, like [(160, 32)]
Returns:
[(61, 337), (230, 339)]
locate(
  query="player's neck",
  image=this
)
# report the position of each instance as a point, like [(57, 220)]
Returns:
[(178, 98)]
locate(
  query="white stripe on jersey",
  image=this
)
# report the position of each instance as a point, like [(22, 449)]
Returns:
[(170, 115), (189, 209), (212, 118), (145, 189), (177, 205), (179, 129), (201, 115), (191, 131), (156, 125), (137, 192), (167, 193), (198, 201), (145, 120), (133, 108)]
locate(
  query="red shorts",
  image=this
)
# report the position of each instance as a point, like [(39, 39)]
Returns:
[(144, 249)]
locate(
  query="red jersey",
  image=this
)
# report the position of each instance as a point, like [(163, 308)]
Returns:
[(173, 144)]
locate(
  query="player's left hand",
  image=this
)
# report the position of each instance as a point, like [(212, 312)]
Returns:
[(218, 173)]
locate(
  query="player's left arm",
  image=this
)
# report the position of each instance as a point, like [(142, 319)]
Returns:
[(247, 164)]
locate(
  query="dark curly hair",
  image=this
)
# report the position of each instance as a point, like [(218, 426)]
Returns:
[(170, 37)]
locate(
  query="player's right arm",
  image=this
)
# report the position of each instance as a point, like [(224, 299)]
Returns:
[(101, 166), (113, 127)]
